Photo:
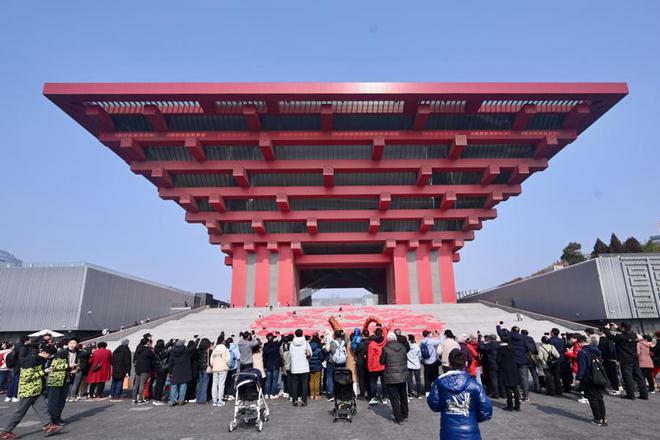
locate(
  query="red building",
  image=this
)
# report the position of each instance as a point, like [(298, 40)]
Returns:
[(313, 185)]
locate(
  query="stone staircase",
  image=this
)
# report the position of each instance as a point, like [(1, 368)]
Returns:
[(460, 318)]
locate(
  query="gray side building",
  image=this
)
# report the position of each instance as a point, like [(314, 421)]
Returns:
[(618, 287), (80, 298)]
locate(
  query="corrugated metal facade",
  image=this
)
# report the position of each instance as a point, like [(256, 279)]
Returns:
[(60, 297)]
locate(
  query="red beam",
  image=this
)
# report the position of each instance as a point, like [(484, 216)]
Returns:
[(208, 105), (457, 146), (101, 118), (493, 199), (241, 177), (258, 227), (576, 116), (341, 237), (189, 203), (524, 115), (266, 147), (340, 215), (217, 202), (384, 200), (161, 178), (282, 202), (312, 226), (547, 147), (424, 175), (155, 117), (471, 223), (326, 117), (421, 117), (447, 200), (426, 224), (374, 225), (296, 247), (251, 117), (490, 173), (195, 148), (343, 260), (131, 149), (518, 175), (328, 177), (213, 226), (377, 148), (450, 191)]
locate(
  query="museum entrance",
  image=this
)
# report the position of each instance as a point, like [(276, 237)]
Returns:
[(342, 286)]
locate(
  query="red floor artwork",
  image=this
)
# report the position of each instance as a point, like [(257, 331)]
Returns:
[(351, 317)]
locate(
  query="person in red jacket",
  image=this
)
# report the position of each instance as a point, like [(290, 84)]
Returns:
[(474, 367), (572, 357), (373, 364), (99, 370)]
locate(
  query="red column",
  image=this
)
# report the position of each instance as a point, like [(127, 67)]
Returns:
[(445, 261), (401, 281), (424, 274), (286, 285), (262, 276), (239, 276)]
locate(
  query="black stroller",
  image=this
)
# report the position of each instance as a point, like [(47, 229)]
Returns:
[(249, 404), (345, 405)]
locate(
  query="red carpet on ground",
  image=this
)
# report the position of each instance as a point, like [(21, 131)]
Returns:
[(316, 320)]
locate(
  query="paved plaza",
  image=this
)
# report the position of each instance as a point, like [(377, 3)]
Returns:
[(541, 418)]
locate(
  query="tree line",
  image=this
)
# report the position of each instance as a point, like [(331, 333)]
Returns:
[(572, 254)]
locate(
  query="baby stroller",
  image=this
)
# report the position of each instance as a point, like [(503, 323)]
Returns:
[(345, 405), (250, 404)]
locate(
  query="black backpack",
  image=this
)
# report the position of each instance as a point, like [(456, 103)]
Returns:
[(11, 359), (596, 372)]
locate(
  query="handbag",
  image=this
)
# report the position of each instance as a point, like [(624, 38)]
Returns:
[(209, 368), (127, 383), (96, 367)]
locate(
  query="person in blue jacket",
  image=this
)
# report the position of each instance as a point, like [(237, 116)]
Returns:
[(461, 401)]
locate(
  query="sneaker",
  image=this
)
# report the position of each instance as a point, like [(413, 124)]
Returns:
[(583, 400), (134, 402), (331, 399), (7, 399), (595, 422), (230, 398), (51, 429), (215, 403), (276, 396), (158, 403), (285, 395), (15, 400), (221, 403), (420, 397), (384, 401), (603, 422), (427, 394), (373, 401)]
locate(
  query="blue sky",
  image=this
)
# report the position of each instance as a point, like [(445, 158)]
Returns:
[(65, 197)]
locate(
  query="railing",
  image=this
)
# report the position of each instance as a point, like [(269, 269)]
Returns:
[(538, 316)]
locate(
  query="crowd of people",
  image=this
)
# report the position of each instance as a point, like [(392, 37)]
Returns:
[(388, 368)]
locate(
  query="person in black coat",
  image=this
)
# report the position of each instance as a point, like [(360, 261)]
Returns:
[(162, 355), (145, 363), (121, 368), (180, 366), (272, 364), (360, 355), (488, 350), (395, 376), (519, 345), (564, 367), (626, 347), (509, 375)]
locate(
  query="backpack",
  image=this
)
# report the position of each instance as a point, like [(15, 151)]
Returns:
[(596, 373), (424, 348), (551, 360), (339, 356), (11, 359)]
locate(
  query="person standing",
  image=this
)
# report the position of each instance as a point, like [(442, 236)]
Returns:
[(158, 384), (337, 355), (610, 362), (519, 345), (31, 390), (220, 363), (203, 355), (121, 369), (460, 400), (315, 366), (644, 347), (144, 363), (429, 357), (626, 347), (448, 345), (234, 362), (414, 358), (64, 365), (509, 374), (245, 346), (272, 365), (590, 381), (395, 376), (550, 361), (99, 371), (532, 356), (488, 350), (180, 366), (565, 372), (376, 368), (300, 352)]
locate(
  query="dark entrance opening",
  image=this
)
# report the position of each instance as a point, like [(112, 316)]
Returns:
[(374, 280)]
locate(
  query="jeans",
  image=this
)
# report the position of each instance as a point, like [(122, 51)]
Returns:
[(229, 382), (96, 389), (523, 370), (399, 401), (315, 383), (116, 388), (285, 382), (373, 383), (430, 375), (218, 386), (494, 387), (272, 377), (419, 387), (12, 391), (4, 374), (157, 386), (300, 387), (138, 385), (202, 386), (56, 402), (330, 385), (38, 404), (178, 393), (363, 378), (535, 379), (631, 375)]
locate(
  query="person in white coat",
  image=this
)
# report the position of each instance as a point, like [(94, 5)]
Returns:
[(300, 352), (414, 356), (220, 363)]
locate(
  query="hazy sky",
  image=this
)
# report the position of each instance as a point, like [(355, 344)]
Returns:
[(65, 197)]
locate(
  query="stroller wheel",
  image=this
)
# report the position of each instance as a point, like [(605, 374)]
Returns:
[(266, 418), (260, 425), (232, 426), (349, 418)]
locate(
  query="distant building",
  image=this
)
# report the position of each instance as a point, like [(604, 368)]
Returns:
[(80, 298), (7, 259), (615, 287)]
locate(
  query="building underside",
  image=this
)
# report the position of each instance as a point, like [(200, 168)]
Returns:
[(318, 185)]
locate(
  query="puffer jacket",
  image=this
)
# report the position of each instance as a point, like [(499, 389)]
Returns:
[(299, 351), (316, 360), (414, 356), (489, 355), (220, 359), (644, 354), (462, 403), (518, 342), (585, 355), (373, 353), (144, 359), (395, 361)]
